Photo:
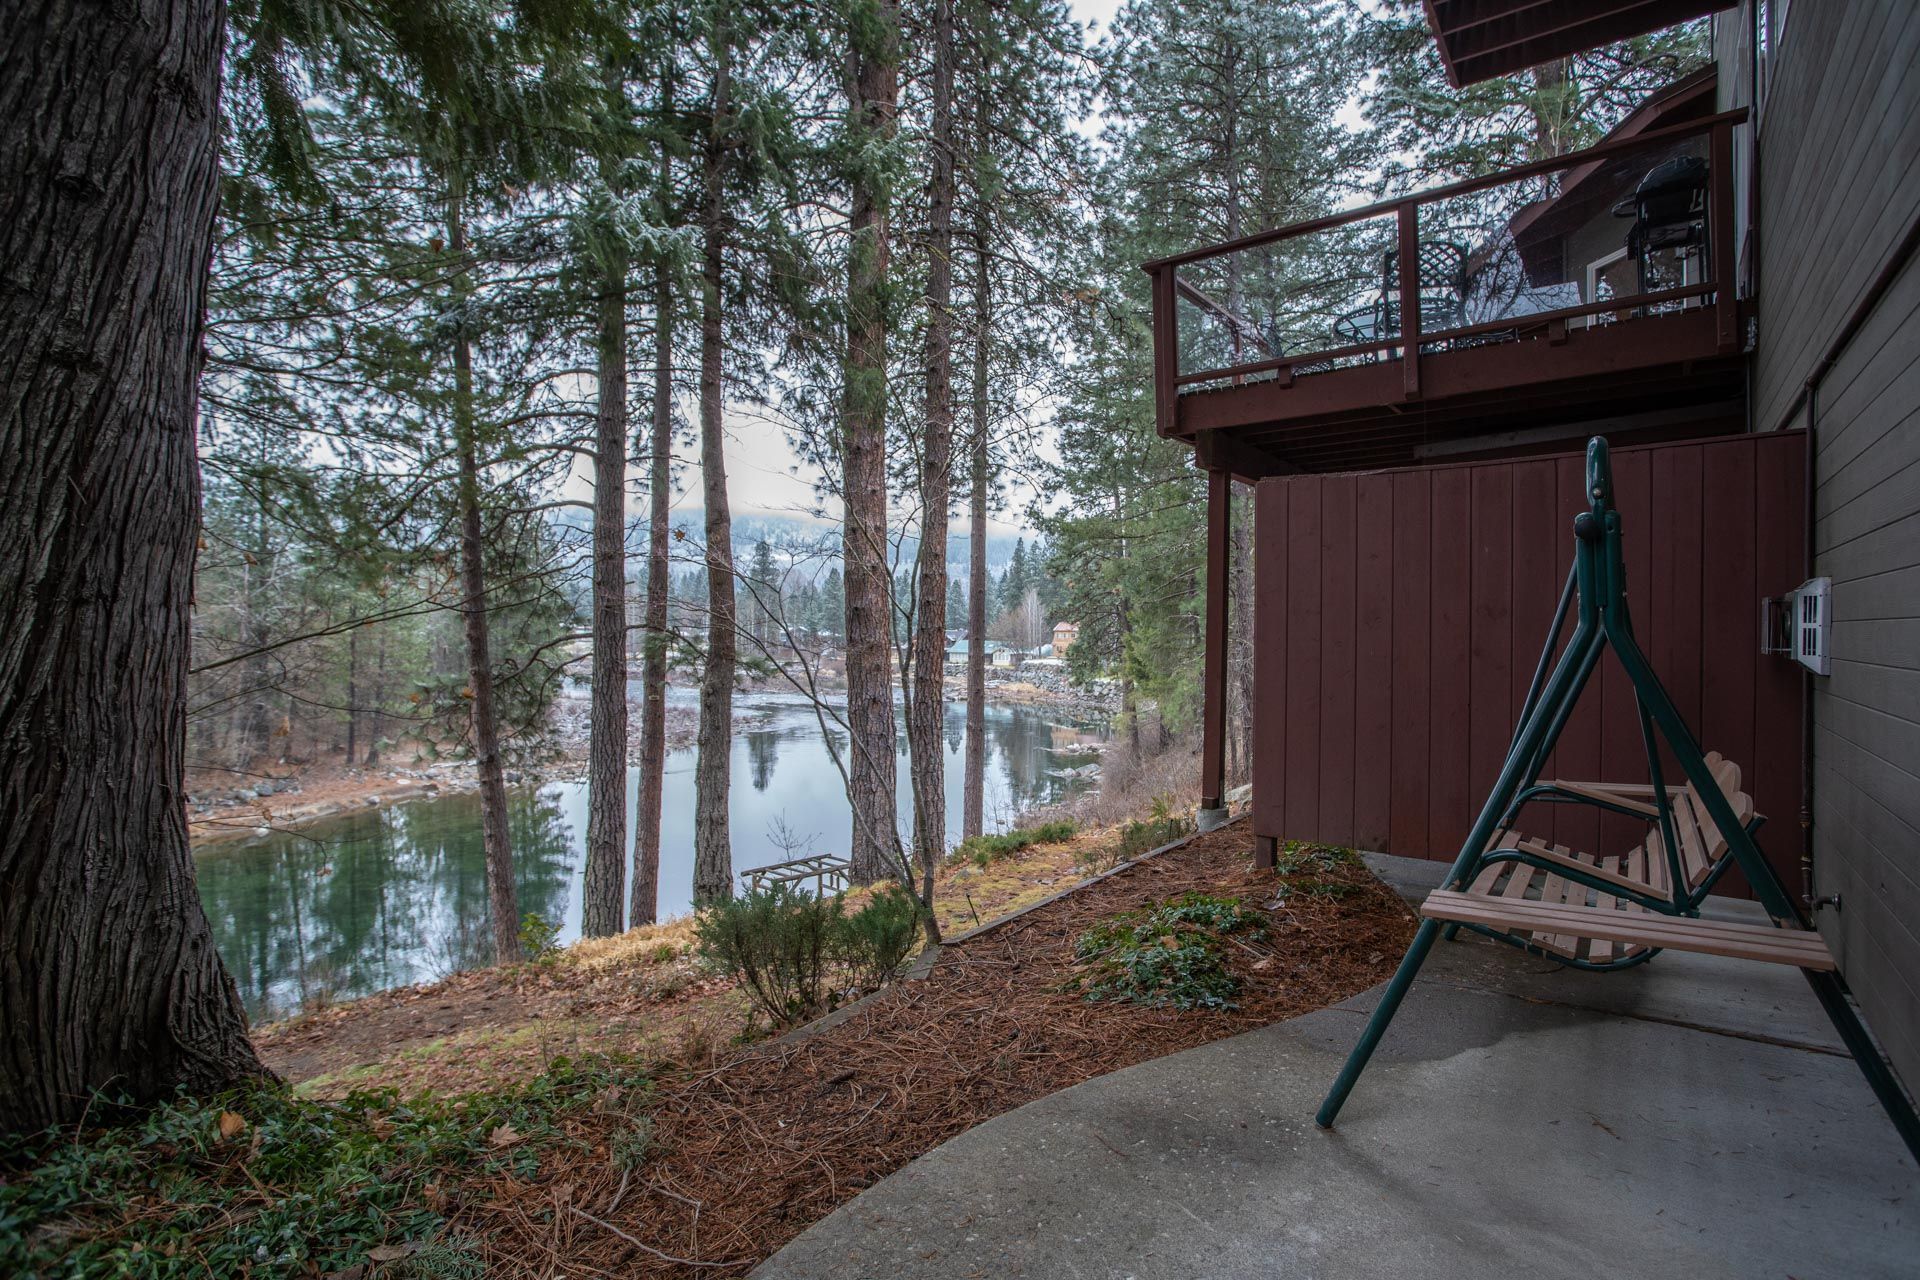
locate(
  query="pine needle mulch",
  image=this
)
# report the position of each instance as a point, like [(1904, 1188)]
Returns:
[(741, 1157)]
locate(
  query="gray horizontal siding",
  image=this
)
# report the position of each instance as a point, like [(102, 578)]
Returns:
[(1840, 178), (1840, 186)]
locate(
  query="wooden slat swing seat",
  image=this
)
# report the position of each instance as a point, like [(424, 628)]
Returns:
[(1605, 910)]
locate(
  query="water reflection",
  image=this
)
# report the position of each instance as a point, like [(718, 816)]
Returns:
[(389, 897)]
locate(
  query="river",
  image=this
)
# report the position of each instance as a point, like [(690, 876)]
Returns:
[(389, 897)]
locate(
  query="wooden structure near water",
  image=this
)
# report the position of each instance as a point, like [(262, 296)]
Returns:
[(826, 872)]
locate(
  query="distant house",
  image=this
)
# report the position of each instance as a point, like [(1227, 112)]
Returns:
[(998, 653), (1064, 634)]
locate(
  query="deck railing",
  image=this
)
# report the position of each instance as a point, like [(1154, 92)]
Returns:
[(1635, 226)]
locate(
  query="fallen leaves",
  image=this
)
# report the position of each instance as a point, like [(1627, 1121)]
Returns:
[(232, 1125)]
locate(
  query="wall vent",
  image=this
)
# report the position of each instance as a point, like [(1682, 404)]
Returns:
[(1798, 625)]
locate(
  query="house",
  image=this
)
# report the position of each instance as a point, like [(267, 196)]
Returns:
[(1725, 288), (1064, 634), (959, 647)]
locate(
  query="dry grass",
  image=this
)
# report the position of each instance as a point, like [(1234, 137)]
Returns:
[(641, 994), (636, 946)]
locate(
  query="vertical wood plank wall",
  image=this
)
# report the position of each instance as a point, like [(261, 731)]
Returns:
[(1399, 615)]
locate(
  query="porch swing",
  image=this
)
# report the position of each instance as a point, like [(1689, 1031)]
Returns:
[(1604, 913)]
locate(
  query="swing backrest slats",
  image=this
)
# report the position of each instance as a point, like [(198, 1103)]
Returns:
[(1703, 845)]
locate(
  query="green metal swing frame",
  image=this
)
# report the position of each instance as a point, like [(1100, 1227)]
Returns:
[(1595, 595)]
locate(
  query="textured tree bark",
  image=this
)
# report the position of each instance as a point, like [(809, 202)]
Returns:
[(875, 69), (502, 897), (108, 172), (712, 843), (926, 739), (604, 891), (653, 678), (973, 798)]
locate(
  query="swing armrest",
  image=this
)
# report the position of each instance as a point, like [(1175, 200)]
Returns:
[(1633, 790), (1599, 795), (1615, 797)]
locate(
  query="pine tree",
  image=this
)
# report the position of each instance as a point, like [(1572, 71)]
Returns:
[(1223, 120), (1022, 171), (669, 144), (603, 892), (926, 703), (873, 91)]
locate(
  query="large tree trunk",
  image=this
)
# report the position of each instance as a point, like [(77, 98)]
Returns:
[(653, 676), (973, 799), (502, 897), (604, 891), (926, 739), (108, 975), (875, 75), (712, 843)]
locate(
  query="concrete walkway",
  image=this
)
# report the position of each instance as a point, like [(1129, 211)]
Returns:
[(1690, 1118)]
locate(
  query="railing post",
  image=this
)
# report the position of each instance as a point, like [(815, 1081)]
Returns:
[(1720, 234), (1408, 251), (1213, 730), (1166, 353)]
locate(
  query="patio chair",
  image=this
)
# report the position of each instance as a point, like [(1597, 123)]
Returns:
[(1607, 913)]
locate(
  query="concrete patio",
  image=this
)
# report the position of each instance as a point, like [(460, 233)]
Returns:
[(1694, 1117)]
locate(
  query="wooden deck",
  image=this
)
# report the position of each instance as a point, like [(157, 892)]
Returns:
[(1338, 344)]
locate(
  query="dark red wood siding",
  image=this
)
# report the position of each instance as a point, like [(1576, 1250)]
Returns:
[(1400, 615)]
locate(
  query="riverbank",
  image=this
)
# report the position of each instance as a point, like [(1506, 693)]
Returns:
[(226, 806), (642, 993)]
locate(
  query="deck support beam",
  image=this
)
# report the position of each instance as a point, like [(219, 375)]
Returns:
[(1213, 739)]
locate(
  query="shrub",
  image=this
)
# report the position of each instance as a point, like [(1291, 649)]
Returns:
[(1160, 826), (980, 850), (1170, 954), (777, 941), (539, 938), (877, 939)]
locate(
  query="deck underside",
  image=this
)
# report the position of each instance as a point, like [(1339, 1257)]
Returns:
[(1643, 381)]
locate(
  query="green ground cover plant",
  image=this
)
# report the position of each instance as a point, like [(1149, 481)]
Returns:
[(261, 1183), (1317, 870), (1171, 954)]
